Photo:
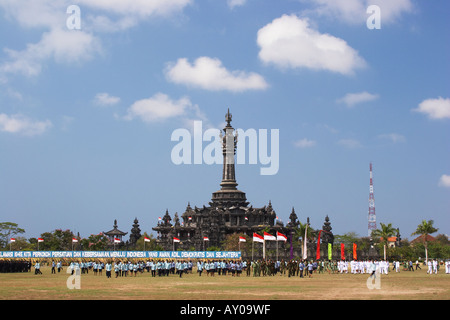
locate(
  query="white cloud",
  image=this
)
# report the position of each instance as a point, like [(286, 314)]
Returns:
[(305, 143), (104, 99), (435, 108), (394, 137), (444, 181), (209, 74), (64, 46), (290, 42), (138, 8), (349, 143), (235, 3), (352, 99), (354, 11), (20, 124), (158, 108)]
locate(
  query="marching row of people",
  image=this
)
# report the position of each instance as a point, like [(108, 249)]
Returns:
[(237, 267)]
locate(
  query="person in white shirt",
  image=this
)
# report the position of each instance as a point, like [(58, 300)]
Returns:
[(430, 267), (435, 266)]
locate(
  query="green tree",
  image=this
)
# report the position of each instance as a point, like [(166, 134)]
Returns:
[(95, 242), (8, 230), (386, 231), (149, 245), (424, 229)]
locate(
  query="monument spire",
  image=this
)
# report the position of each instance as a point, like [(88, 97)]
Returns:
[(229, 194)]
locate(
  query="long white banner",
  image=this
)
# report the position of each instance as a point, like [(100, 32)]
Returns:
[(123, 254)]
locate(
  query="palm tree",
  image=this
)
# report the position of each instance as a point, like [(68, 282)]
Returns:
[(424, 229), (385, 232)]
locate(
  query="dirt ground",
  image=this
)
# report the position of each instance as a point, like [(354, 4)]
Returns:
[(404, 285)]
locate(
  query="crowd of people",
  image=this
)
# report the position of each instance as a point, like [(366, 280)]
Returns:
[(210, 268)]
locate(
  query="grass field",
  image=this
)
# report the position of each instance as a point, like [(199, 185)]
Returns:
[(404, 285)]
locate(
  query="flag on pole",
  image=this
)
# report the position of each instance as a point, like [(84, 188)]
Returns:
[(329, 251), (205, 239), (40, 240), (318, 246), (305, 253), (12, 240), (342, 252), (176, 239), (268, 236), (116, 240), (281, 237), (74, 240), (355, 257), (146, 239), (159, 218), (258, 238), (242, 239)]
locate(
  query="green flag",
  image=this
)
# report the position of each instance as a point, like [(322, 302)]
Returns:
[(329, 251)]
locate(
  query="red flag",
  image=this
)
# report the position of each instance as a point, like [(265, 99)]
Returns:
[(40, 240), (342, 252), (258, 238), (355, 257), (318, 246), (205, 239), (268, 236), (242, 239), (281, 237), (116, 240), (176, 239), (146, 239)]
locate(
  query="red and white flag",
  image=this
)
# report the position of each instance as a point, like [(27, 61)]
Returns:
[(12, 240), (116, 240), (176, 239), (74, 240), (146, 239), (40, 240), (258, 238), (242, 239), (268, 236), (205, 239), (159, 218), (281, 237)]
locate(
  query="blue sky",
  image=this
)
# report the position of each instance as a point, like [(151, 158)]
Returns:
[(86, 114)]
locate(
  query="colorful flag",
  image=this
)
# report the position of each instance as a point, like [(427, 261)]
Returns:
[(40, 240), (305, 253), (116, 240), (176, 239), (242, 239), (159, 218), (146, 239), (12, 240), (258, 238), (330, 255), (318, 246), (355, 257), (281, 237), (74, 240), (268, 236), (342, 252), (205, 239)]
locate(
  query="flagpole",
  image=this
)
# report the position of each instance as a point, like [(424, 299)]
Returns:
[(264, 249), (277, 249), (253, 244)]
